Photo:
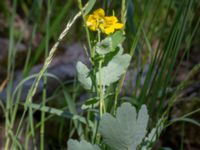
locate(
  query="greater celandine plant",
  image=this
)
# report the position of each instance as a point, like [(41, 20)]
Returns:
[(109, 62), (127, 129)]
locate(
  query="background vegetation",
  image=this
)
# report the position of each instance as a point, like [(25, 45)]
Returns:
[(163, 38)]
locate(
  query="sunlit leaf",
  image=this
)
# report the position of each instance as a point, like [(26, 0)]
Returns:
[(83, 75), (114, 69), (121, 133)]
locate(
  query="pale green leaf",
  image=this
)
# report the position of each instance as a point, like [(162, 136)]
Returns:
[(142, 122), (153, 135), (105, 46), (121, 133), (89, 6), (114, 69), (117, 38), (110, 43), (83, 75), (82, 145)]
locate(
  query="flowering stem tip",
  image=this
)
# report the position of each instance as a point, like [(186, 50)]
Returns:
[(106, 24)]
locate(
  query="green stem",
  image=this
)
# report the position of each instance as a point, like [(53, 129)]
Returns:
[(10, 74), (123, 12), (7, 144), (101, 88), (120, 84), (31, 121), (42, 129), (117, 92), (99, 35), (92, 51), (101, 91)]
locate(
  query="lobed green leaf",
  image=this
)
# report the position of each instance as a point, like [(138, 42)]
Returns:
[(127, 130)]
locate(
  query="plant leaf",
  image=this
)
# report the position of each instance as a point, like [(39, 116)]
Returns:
[(153, 135), (189, 120), (105, 46), (121, 133), (114, 69), (117, 38), (142, 121), (89, 6), (110, 43), (82, 145), (83, 75)]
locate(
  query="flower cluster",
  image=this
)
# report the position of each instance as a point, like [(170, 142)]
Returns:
[(106, 24)]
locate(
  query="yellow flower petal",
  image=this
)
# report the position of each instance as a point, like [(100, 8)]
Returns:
[(118, 25), (111, 19), (109, 30), (99, 13), (92, 23), (90, 19)]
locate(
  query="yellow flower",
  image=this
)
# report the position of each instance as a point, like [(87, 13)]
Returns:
[(110, 25), (92, 23), (107, 24), (95, 19)]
